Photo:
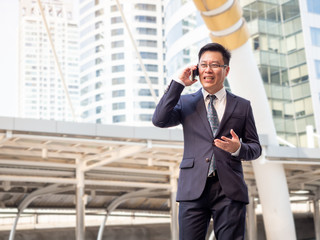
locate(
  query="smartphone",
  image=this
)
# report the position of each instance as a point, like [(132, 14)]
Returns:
[(194, 73)]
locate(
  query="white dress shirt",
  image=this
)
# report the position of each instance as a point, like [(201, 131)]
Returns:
[(219, 104)]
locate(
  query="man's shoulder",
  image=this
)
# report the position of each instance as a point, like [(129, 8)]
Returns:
[(187, 95), (237, 97)]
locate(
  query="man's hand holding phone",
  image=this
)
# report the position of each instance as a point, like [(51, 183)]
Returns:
[(188, 75)]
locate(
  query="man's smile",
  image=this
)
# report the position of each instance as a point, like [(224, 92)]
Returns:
[(209, 78)]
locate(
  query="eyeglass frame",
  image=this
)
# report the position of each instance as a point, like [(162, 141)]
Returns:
[(212, 65)]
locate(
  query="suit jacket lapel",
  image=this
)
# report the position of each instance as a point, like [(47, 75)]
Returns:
[(202, 111), (230, 106)]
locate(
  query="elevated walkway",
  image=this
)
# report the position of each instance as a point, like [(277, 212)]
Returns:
[(94, 167)]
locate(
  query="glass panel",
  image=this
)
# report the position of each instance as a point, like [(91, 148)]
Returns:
[(308, 106), (315, 36), (290, 9), (317, 68), (313, 6)]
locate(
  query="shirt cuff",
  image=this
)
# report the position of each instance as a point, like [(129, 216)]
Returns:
[(236, 153), (179, 81)]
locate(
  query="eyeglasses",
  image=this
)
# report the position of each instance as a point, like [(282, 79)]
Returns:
[(212, 66)]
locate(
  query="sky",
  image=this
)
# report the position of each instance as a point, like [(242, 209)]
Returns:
[(9, 57)]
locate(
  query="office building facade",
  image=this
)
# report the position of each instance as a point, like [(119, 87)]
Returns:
[(43, 91), (114, 83), (280, 45), (310, 19)]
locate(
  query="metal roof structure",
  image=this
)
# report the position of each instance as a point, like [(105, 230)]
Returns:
[(126, 168), (37, 153)]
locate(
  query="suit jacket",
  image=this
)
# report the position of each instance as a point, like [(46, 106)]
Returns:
[(190, 111)]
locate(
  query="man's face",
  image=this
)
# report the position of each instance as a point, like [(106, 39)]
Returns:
[(212, 78)]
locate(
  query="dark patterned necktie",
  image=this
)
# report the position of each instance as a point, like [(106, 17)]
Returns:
[(214, 123)]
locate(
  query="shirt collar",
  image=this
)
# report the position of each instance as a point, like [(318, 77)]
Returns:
[(219, 95)]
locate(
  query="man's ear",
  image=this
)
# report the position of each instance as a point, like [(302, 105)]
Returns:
[(227, 70)]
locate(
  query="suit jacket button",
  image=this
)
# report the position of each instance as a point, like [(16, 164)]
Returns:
[(207, 159)]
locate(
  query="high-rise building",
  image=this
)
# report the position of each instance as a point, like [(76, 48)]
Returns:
[(310, 20), (114, 83), (285, 41), (185, 34), (41, 88), (282, 45)]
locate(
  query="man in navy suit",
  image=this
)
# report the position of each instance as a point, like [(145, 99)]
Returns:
[(223, 194)]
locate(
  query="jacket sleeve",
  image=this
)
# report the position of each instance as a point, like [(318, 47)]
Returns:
[(250, 145), (167, 112)]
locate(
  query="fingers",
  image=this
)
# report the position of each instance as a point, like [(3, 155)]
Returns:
[(228, 144), (185, 75), (233, 134)]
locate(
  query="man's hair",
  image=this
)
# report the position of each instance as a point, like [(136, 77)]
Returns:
[(216, 47)]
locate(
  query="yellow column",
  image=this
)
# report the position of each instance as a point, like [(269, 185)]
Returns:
[(224, 19)]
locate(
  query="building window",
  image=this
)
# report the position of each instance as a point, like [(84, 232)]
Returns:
[(117, 56), (99, 97), (149, 67), (98, 85), (147, 105), (99, 72), (118, 106), (98, 109), (147, 43), (145, 117), (149, 55), (317, 67), (118, 68), (98, 25), (116, 44), (114, 8), (144, 6), (84, 90), (85, 114), (119, 118), (118, 93), (115, 20), (99, 12), (116, 32), (147, 92), (290, 10), (147, 31), (154, 80), (313, 6), (147, 19), (315, 36), (118, 80)]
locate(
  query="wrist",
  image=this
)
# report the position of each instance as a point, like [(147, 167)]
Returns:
[(180, 81)]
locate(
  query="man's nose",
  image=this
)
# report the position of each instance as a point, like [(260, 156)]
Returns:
[(208, 69)]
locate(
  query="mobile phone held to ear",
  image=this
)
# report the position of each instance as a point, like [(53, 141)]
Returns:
[(194, 73)]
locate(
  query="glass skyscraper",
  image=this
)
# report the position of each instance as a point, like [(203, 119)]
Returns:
[(280, 46)]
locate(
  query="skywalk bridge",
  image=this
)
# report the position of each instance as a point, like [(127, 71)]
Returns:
[(66, 165)]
